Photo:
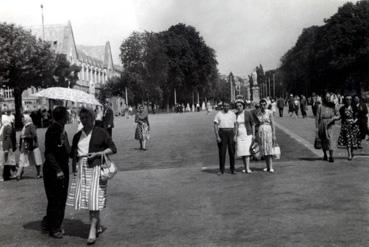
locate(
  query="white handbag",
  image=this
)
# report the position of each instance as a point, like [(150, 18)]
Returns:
[(38, 157), (108, 168), (276, 152)]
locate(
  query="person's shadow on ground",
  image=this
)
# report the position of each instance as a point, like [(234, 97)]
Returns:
[(73, 228)]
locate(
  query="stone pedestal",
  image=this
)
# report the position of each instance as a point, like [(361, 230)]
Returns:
[(255, 94)]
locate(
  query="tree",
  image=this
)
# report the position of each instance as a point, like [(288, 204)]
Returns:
[(26, 61), (334, 56)]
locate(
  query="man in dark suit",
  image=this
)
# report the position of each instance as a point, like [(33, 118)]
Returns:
[(56, 172), (280, 105), (108, 118)]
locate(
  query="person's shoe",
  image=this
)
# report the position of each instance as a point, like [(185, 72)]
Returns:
[(265, 169), (19, 178), (58, 234), (331, 160), (233, 172), (100, 230), (220, 173), (91, 241), (325, 157), (39, 176), (271, 170)]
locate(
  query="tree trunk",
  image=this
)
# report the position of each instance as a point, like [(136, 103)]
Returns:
[(17, 93)]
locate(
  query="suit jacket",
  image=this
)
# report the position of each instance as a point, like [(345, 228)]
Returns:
[(249, 122), (108, 118), (100, 140), (57, 149)]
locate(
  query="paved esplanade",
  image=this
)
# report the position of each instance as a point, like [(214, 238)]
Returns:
[(171, 196)]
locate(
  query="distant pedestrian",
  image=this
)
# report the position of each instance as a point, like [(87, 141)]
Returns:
[(325, 119), (56, 172), (303, 106), (349, 129), (108, 118), (362, 118), (280, 105), (315, 102), (28, 147), (99, 113), (88, 191), (224, 128), (273, 106), (291, 106), (9, 145), (245, 134), (266, 134), (296, 105), (142, 133)]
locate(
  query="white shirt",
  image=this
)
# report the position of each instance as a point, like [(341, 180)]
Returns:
[(84, 143), (225, 120)]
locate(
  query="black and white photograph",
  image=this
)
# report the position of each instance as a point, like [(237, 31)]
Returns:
[(170, 123)]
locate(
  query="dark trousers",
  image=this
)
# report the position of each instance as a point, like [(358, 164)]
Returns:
[(280, 112), (56, 193), (227, 136)]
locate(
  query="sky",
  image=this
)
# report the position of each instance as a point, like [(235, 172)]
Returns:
[(243, 33)]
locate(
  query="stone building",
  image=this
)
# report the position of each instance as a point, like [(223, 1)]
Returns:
[(96, 63)]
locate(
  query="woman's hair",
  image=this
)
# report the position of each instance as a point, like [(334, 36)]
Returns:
[(59, 113), (87, 111), (240, 101), (262, 101)]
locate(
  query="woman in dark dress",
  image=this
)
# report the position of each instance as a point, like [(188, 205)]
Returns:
[(361, 110), (349, 128)]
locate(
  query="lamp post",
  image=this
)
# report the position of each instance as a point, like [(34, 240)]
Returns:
[(43, 26)]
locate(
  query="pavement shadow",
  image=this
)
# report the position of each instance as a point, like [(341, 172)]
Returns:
[(73, 228)]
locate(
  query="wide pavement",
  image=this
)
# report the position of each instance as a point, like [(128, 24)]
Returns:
[(171, 196)]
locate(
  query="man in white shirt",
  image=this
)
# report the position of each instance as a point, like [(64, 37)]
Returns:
[(224, 128)]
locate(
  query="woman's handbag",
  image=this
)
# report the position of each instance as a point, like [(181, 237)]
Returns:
[(108, 168), (255, 150), (317, 143), (276, 152), (37, 156)]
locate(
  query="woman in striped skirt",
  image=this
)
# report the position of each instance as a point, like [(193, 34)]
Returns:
[(88, 191)]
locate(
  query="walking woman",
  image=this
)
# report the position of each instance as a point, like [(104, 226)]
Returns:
[(9, 144), (245, 133), (266, 134), (88, 191), (27, 144), (362, 118), (326, 116), (349, 129), (143, 127)]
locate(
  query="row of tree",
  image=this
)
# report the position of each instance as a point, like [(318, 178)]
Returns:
[(333, 56), (26, 61), (160, 66)]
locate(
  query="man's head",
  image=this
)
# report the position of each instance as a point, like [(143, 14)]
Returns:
[(61, 115), (225, 107)]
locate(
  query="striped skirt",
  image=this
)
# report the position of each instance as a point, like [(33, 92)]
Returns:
[(87, 190)]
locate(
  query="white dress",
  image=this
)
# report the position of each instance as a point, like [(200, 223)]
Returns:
[(243, 140)]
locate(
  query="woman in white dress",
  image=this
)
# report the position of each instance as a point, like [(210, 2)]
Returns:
[(245, 133)]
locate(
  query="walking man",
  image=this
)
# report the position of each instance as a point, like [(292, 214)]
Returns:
[(280, 105), (108, 118), (224, 128), (56, 172)]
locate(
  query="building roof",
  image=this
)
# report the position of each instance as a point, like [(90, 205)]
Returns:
[(62, 40)]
